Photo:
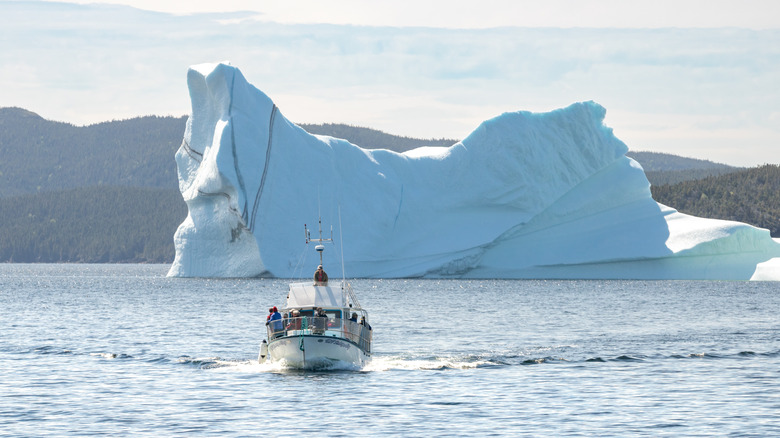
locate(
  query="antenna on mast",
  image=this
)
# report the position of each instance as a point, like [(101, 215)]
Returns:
[(319, 248), (341, 245)]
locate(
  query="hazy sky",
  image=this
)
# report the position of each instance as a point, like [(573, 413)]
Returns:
[(693, 78), (752, 14)]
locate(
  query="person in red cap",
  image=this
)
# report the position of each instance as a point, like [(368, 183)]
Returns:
[(276, 322)]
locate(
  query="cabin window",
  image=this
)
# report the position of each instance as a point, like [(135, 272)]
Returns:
[(334, 318)]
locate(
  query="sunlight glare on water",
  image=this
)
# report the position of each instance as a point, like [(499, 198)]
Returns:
[(122, 350)]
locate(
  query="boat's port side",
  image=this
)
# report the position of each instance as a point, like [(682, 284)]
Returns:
[(349, 330)]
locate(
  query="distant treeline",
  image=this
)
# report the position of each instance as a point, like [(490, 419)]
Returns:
[(666, 177), (91, 224), (660, 162), (751, 196), (39, 155), (108, 192), (373, 139), (664, 169)]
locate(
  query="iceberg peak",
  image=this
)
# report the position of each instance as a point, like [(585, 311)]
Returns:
[(525, 195)]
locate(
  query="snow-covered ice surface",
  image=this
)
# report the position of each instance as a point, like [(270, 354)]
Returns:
[(525, 195)]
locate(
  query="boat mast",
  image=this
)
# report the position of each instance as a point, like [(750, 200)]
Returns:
[(320, 248)]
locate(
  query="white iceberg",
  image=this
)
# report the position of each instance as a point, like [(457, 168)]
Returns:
[(526, 195)]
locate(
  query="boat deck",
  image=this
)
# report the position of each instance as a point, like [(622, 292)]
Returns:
[(346, 329)]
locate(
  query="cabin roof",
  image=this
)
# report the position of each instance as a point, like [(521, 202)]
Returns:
[(302, 295)]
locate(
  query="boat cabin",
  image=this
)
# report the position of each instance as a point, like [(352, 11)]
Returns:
[(342, 314)]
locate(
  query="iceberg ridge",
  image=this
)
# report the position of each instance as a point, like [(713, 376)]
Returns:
[(525, 195)]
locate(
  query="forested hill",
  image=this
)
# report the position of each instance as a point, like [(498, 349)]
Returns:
[(108, 192), (751, 196), (39, 155), (663, 168), (658, 161), (91, 224), (373, 139)]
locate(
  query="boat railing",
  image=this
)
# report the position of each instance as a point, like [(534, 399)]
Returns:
[(350, 293), (308, 325)]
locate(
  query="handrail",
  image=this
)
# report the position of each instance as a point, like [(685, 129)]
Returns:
[(351, 293), (354, 332)]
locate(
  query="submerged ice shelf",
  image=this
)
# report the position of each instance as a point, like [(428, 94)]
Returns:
[(525, 195)]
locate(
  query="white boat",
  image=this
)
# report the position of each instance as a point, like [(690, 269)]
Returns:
[(322, 327)]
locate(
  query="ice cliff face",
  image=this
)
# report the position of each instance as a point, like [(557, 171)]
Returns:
[(525, 195)]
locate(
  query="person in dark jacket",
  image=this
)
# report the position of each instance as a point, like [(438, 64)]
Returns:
[(320, 277)]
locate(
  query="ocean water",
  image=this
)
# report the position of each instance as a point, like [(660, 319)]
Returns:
[(120, 350)]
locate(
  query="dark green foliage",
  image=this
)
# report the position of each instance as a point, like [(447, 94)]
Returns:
[(91, 224), (108, 192), (372, 139), (40, 155), (751, 196), (670, 169), (661, 177), (657, 161)]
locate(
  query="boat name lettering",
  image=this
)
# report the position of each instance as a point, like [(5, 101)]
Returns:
[(339, 343)]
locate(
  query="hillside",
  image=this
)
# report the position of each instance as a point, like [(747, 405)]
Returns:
[(373, 139), (751, 196), (658, 161), (91, 224), (39, 155), (663, 168), (108, 192), (139, 152)]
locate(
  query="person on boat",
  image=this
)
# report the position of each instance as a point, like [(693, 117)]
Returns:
[(276, 322), (320, 320), (295, 321), (352, 329), (320, 277), (365, 334), (268, 317)]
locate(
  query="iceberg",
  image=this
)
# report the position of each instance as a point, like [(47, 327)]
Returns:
[(525, 195)]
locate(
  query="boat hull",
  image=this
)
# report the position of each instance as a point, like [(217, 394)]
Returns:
[(312, 352)]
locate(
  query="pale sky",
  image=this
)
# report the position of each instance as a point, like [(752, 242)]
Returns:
[(693, 78), (753, 14)]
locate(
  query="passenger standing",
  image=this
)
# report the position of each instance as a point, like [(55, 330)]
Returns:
[(320, 321), (365, 334), (352, 329), (295, 320), (268, 321), (276, 322), (320, 277)]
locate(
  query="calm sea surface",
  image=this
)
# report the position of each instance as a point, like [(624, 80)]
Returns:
[(120, 350)]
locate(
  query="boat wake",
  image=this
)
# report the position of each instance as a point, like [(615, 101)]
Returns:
[(392, 363), (561, 355), (216, 364), (504, 359)]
